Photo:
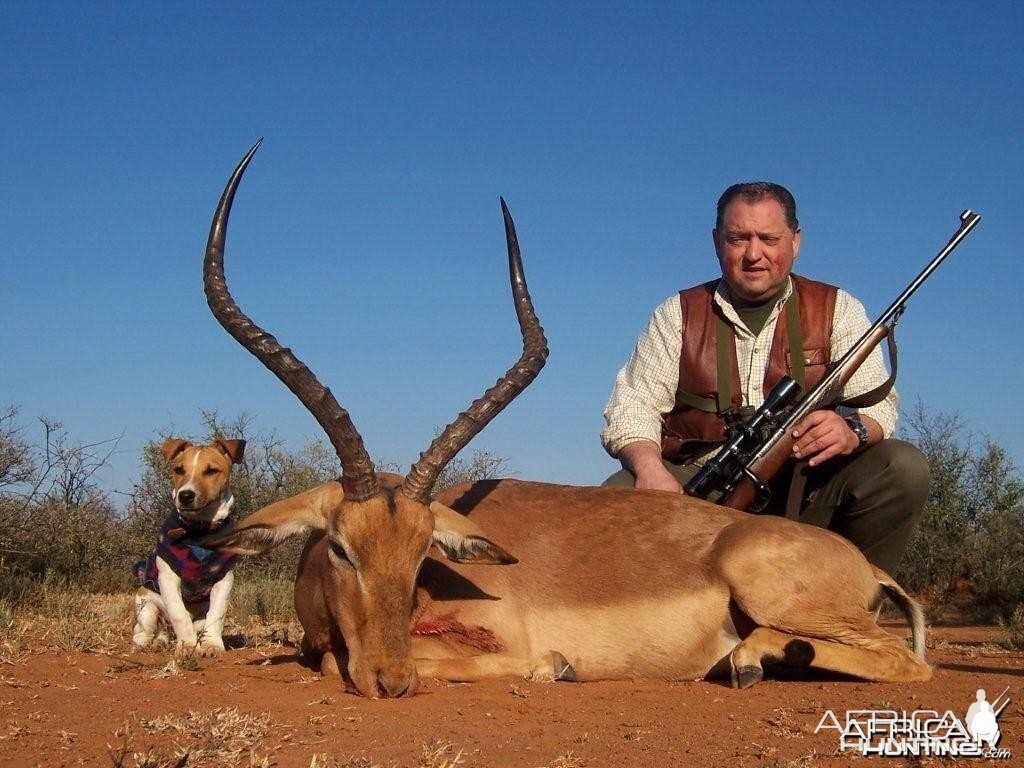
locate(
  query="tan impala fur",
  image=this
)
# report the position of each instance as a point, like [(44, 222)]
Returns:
[(623, 583), (610, 582)]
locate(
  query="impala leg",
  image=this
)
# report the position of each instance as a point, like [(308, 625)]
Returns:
[(548, 667), (873, 654), (328, 662), (329, 665)]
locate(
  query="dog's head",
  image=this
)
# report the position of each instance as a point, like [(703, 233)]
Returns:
[(201, 475)]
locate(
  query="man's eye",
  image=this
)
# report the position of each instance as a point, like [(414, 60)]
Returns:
[(770, 240)]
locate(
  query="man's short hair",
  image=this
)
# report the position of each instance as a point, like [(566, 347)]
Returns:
[(752, 192)]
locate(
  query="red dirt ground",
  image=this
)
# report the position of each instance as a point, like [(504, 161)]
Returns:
[(261, 707)]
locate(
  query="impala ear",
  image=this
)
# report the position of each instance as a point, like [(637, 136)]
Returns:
[(266, 528), (463, 541)]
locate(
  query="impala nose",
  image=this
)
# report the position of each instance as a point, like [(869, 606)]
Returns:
[(186, 497), (394, 686)]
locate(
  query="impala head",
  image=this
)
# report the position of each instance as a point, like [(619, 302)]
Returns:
[(374, 549), (378, 528)]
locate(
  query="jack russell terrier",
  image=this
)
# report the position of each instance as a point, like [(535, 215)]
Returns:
[(180, 579)]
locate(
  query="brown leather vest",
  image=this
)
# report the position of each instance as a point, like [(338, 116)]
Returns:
[(698, 360)]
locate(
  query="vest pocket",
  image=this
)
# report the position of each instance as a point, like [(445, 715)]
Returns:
[(815, 365), (812, 357)]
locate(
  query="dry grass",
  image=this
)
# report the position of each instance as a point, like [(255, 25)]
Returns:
[(783, 724), (59, 616), (227, 738), (222, 738), (67, 619), (122, 754), (12, 638), (568, 760), (440, 754), (324, 760), (266, 600)]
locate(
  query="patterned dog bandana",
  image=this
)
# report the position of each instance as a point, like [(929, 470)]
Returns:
[(198, 568)]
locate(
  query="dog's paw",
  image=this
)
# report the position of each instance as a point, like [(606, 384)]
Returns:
[(147, 640), (184, 648), (209, 648)]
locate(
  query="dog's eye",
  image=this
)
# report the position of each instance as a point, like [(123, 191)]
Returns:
[(211, 471), (179, 470)]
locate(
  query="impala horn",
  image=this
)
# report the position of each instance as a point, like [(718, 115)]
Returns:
[(421, 478), (358, 477)]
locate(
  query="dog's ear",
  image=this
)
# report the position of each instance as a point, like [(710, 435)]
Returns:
[(233, 449), (173, 447)]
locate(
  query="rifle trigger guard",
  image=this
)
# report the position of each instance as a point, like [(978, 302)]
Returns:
[(764, 493)]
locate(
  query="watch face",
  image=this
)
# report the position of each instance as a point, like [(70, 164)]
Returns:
[(858, 429)]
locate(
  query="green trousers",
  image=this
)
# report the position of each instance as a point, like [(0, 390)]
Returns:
[(873, 498)]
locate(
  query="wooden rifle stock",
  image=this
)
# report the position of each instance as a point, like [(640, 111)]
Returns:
[(777, 451)]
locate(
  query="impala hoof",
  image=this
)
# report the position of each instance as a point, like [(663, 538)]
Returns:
[(744, 677), (563, 669)]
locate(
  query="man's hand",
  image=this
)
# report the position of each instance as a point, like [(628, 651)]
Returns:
[(643, 459), (822, 435), (659, 480)]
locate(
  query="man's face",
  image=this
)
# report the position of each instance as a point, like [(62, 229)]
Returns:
[(756, 248)]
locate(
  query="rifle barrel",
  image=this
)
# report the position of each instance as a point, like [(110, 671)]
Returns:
[(968, 221)]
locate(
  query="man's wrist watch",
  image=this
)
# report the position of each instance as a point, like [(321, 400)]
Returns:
[(859, 429)]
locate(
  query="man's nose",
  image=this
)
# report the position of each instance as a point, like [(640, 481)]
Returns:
[(754, 250)]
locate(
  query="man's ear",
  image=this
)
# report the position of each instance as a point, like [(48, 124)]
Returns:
[(797, 238), (463, 541), (173, 447), (714, 242)]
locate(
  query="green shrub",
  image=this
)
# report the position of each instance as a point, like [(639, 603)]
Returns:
[(1015, 629), (968, 549)]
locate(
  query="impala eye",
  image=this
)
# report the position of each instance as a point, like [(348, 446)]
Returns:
[(338, 551)]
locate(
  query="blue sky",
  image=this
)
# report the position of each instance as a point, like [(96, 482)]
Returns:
[(367, 234)]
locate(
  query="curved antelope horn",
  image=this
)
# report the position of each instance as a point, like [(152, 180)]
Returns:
[(420, 480), (358, 477)]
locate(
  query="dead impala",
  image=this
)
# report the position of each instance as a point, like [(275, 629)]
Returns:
[(610, 582)]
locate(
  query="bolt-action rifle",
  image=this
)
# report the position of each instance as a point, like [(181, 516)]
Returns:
[(758, 447)]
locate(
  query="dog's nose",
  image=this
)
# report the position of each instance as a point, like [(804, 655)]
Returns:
[(186, 497)]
